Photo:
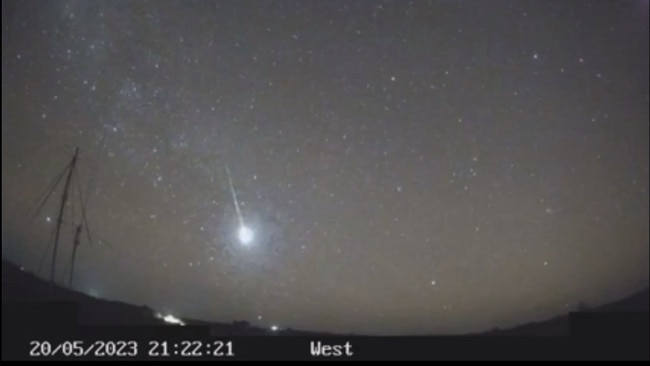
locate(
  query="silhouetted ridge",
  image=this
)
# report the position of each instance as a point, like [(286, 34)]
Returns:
[(28, 296)]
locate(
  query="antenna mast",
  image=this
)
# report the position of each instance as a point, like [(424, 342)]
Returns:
[(59, 220), (74, 253)]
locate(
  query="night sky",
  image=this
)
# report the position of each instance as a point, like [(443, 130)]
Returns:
[(404, 167)]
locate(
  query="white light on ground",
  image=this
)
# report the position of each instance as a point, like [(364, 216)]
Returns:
[(170, 319)]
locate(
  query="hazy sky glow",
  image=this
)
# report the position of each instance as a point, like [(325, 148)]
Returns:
[(399, 167)]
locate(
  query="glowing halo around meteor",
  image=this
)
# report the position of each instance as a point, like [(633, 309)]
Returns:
[(245, 235)]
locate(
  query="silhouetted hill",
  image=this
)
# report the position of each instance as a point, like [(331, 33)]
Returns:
[(27, 299), (560, 325)]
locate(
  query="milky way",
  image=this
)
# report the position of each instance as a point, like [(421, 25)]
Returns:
[(404, 167)]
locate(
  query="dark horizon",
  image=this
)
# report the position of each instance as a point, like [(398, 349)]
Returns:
[(29, 304), (376, 167)]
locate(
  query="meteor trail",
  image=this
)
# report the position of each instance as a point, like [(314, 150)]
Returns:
[(234, 197), (245, 234)]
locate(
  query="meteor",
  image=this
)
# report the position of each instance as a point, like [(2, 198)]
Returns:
[(244, 233)]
